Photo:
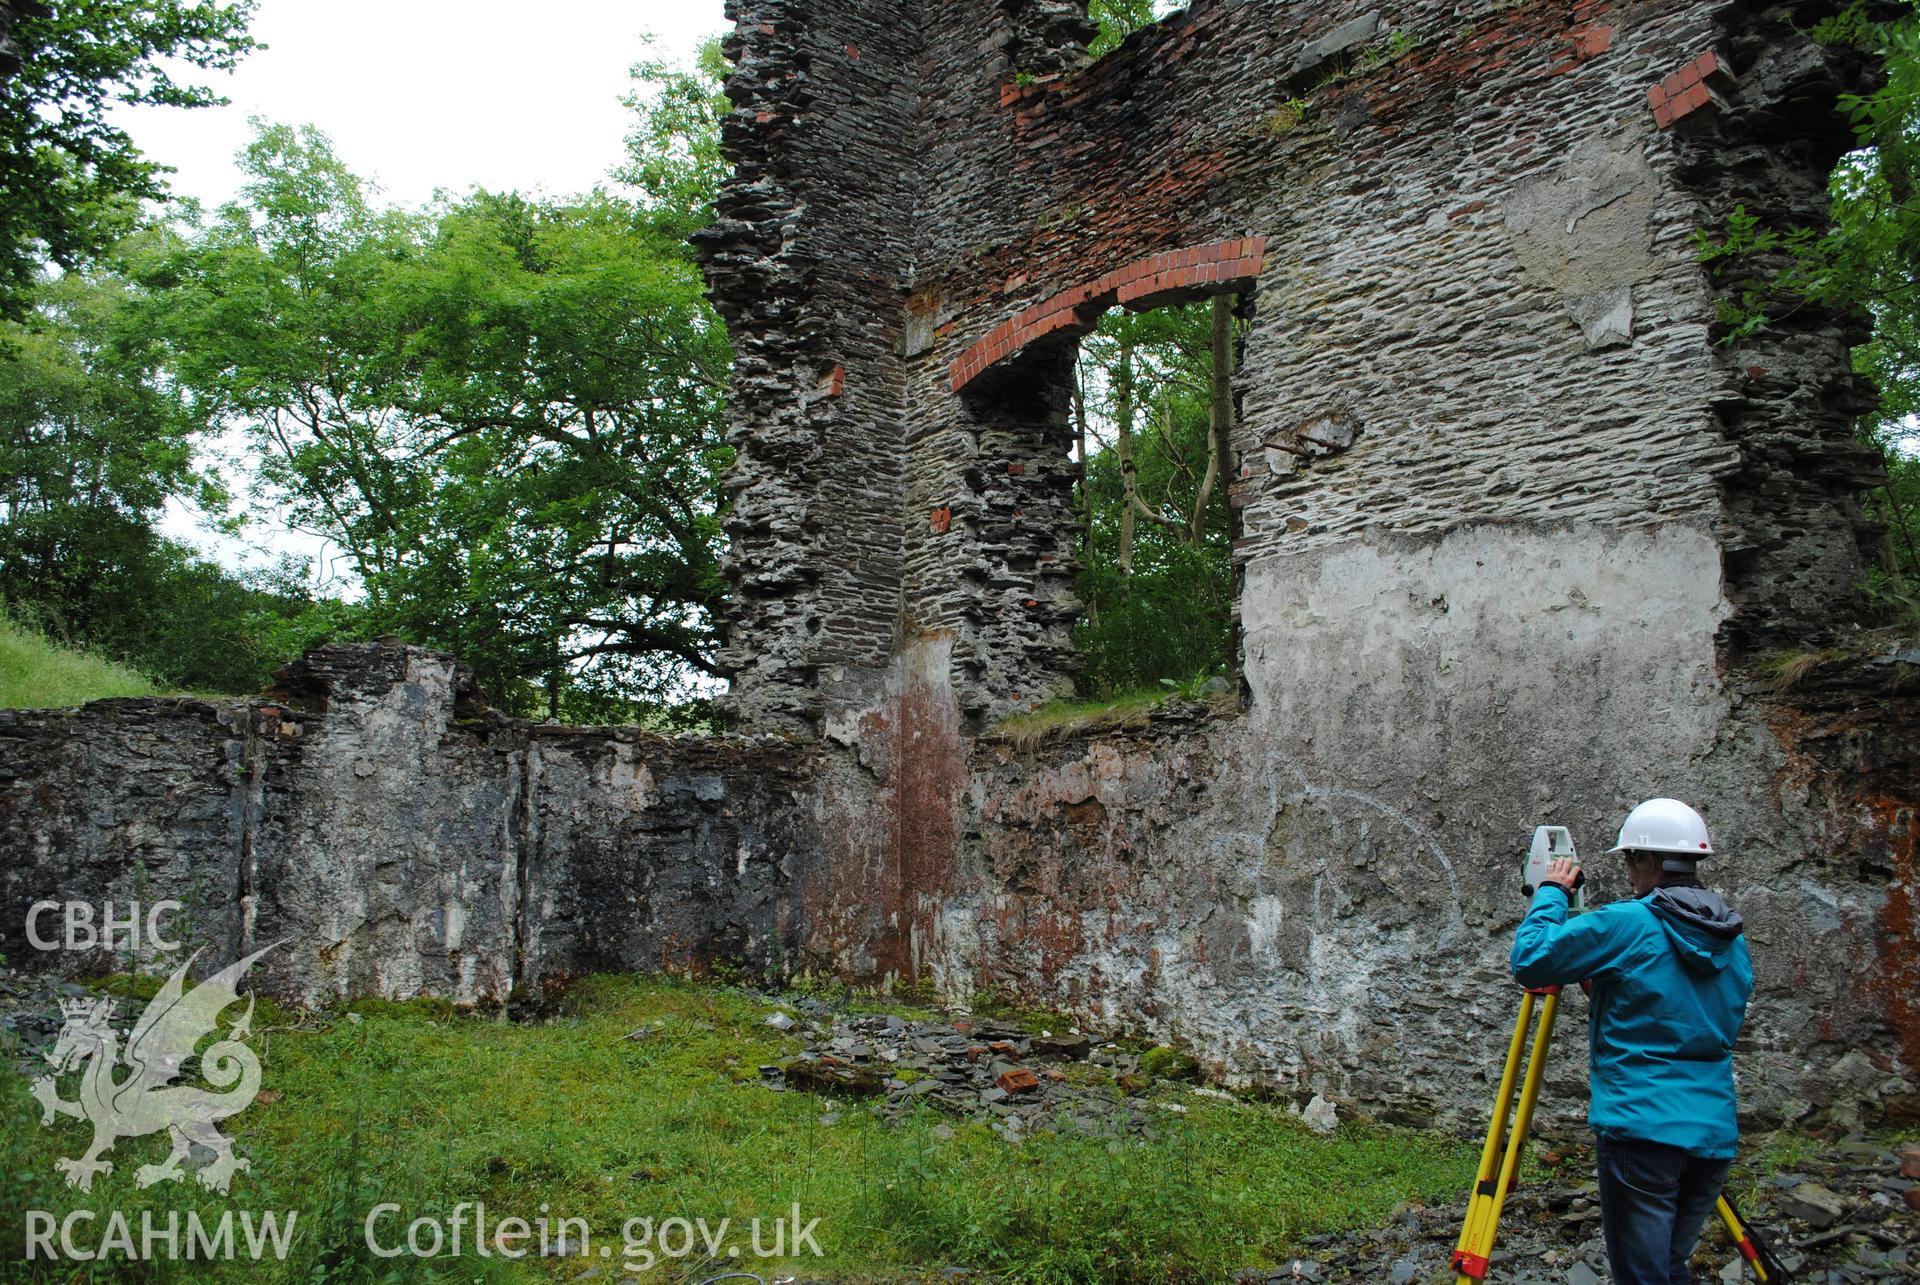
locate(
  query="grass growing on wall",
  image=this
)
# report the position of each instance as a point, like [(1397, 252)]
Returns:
[(412, 1105), (1069, 717), (38, 673)]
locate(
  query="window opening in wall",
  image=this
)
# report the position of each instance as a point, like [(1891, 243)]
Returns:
[(1152, 415)]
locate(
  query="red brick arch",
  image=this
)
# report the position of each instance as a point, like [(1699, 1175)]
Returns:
[(1172, 277)]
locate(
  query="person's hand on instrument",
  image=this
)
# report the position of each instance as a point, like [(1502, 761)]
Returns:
[(1565, 873)]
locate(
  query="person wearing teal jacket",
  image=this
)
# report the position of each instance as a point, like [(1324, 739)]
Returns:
[(1671, 977)]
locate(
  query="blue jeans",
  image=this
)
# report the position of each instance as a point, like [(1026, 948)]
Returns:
[(1653, 1201)]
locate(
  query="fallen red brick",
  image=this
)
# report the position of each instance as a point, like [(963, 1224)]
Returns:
[(1018, 1080)]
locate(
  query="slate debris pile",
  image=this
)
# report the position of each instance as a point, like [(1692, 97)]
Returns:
[(1018, 1082), (1846, 1216)]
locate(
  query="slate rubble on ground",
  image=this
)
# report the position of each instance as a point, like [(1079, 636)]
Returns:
[(1842, 1217), (1847, 1215), (1017, 1081)]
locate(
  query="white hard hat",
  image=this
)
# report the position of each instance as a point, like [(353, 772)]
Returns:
[(1665, 825)]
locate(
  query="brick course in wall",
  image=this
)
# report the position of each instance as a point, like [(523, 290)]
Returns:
[(1179, 276), (1475, 230)]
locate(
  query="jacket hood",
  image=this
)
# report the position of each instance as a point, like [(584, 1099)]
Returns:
[(1700, 926)]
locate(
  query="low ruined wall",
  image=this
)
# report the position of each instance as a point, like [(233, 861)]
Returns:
[(1314, 912), (1312, 904), (397, 837)]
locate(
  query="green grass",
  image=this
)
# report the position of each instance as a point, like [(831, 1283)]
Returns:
[(1067, 717), (1078, 718), (412, 1106), (38, 673)]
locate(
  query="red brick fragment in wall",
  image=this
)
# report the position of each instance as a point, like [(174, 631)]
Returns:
[(1581, 46), (1592, 42), (1899, 820), (1689, 89), (942, 521), (853, 51), (837, 382)]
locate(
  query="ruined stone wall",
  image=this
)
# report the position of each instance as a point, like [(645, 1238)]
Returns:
[(400, 839), (1510, 518), (1513, 523), (1478, 278), (1480, 275), (1338, 922), (809, 260)]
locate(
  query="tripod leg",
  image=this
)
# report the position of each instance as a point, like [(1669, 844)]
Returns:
[(1743, 1239), (1480, 1199), (1474, 1258)]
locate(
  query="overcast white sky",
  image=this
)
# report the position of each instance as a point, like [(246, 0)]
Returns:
[(419, 95)]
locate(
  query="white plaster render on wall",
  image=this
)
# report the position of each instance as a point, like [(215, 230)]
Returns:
[(1570, 630)]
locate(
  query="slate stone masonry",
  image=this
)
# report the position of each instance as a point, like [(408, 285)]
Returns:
[(1511, 514), (398, 838), (1515, 528), (1478, 224)]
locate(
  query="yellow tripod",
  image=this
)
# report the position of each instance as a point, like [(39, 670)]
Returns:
[(1500, 1165), (1498, 1168)]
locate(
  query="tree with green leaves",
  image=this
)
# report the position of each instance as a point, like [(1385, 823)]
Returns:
[(674, 158), (1152, 412), (96, 439), (504, 411), (92, 446), (1118, 19), (71, 181)]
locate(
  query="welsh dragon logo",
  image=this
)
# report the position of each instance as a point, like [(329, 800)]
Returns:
[(146, 1100)]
